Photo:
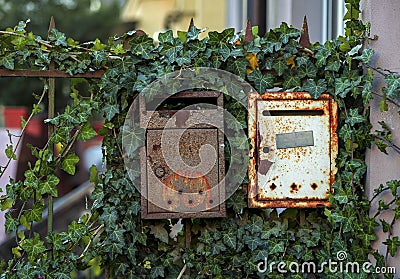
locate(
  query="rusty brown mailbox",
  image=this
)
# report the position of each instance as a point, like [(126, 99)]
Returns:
[(182, 162), (294, 147)]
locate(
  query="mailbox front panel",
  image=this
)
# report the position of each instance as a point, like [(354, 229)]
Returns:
[(193, 183), (182, 162), (292, 162)]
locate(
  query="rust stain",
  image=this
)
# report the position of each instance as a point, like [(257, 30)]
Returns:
[(294, 188), (184, 190), (156, 147), (314, 186), (264, 166), (272, 186)]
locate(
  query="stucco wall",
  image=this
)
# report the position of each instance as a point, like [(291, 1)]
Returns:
[(384, 16)]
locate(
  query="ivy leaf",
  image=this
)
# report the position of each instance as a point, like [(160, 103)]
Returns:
[(10, 152), (156, 272), (133, 138), (385, 226), (333, 63), (116, 235), (69, 162), (110, 110), (159, 232), (253, 241), (323, 52), (76, 230), (352, 12), (354, 50), (366, 55), (99, 57), (49, 186), (229, 239), (341, 195), (33, 246), (87, 132), (142, 46), (192, 34), (261, 81), (342, 86), (11, 223), (184, 59), (206, 238), (307, 70), (260, 255), (217, 248), (172, 52), (291, 80), (287, 33), (345, 132), (275, 246), (393, 85), (393, 186), (238, 67), (166, 37), (354, 118), (256, 225), (280, 67), (8, 61), (58, 38), (109, 216), (222, 41), (315, 89)]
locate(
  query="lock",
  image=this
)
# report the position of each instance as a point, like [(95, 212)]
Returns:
[(294, 147), (182, 162)]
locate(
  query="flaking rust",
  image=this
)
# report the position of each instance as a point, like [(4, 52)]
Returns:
[(294, 148)]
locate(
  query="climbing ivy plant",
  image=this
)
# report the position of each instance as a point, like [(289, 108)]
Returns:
[(113, 236)]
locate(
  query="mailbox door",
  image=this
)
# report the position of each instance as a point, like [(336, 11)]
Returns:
[(177, 193), (293, 155)]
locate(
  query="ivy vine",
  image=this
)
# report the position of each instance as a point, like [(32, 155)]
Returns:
[(114, 237)]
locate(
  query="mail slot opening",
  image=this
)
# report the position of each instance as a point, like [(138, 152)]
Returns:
[(175, 103), (293, 112)]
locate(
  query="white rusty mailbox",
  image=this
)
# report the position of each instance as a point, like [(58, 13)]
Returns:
[(294, 147)]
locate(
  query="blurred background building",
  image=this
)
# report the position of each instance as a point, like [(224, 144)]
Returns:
[(325, 17)]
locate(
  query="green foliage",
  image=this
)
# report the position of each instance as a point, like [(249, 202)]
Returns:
[(113, 235)]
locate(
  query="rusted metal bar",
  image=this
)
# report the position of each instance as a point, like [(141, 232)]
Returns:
[(51, 73), (50, 131), (188, 240)]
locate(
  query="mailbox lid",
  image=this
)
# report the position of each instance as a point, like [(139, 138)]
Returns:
[(294, 149)]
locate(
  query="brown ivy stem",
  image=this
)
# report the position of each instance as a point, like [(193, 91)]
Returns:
[(50, 131), (90, 241), (19, 216), (395, 147), (380, 211), (24, 36), (377, 194), (388, 99), (23, 131), (119, 147)]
